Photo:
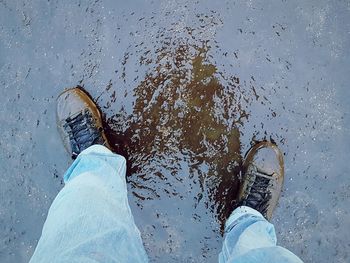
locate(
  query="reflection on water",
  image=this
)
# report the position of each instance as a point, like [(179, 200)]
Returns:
[(183, 113)]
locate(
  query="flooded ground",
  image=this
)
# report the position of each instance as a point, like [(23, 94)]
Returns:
[(186, 88)]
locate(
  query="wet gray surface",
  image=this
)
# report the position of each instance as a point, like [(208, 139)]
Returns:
[(187, 87)]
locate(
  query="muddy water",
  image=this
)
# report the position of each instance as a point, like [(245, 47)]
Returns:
[(181, 137), (182, 113)]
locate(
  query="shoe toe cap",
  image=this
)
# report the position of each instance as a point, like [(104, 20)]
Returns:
[(69, 103)]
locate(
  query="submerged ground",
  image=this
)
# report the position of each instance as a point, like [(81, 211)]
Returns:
[(186, 88)]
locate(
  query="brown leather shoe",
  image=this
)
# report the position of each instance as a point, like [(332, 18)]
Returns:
[(263, 174), (79, 121)]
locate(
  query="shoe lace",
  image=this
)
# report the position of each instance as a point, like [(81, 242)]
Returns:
[(82, 132), (258, 194)]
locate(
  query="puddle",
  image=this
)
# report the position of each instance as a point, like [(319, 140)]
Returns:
[(182, 114)]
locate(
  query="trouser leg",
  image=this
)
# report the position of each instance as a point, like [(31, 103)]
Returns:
[(249, 238), (90, 219)]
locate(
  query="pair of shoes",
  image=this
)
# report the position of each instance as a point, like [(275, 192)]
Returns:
[(80, 125)]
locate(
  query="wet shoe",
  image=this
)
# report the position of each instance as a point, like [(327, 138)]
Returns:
[(263, 173), (79, 121)]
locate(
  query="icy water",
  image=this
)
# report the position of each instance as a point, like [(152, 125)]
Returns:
[(186, 88)]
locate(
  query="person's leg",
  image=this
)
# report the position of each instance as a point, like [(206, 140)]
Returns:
[(250, 238), (90, 219)]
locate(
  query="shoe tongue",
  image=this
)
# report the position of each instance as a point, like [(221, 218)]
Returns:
[(266, 159)]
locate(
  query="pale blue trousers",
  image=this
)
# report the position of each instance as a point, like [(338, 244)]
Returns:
[(90, 220)]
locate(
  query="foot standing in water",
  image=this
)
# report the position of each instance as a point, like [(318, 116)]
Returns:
[(90, 219)]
